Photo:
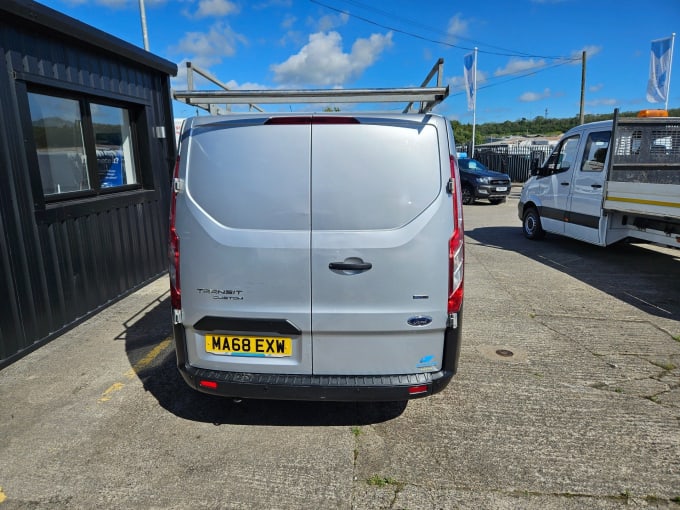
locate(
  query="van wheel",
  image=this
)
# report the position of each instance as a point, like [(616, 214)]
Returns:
[(531, 224), (468, 195)]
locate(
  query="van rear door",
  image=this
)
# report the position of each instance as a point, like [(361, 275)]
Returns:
[(381, 221), (244, 232)]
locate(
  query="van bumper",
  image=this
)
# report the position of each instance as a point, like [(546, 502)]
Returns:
[(347, 388)]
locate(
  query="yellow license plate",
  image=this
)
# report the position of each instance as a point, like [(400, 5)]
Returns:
[(249, 345)]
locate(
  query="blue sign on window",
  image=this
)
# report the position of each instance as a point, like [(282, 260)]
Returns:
[(110, 164)]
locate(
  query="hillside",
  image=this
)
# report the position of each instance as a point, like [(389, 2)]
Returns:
[(525, 127)]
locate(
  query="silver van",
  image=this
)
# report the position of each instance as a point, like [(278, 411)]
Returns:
[(317, 256)]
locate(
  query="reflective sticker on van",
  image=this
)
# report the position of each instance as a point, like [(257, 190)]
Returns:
[(427, 364)]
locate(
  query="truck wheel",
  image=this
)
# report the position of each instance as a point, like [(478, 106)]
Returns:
[(531, 224), (468, 195)]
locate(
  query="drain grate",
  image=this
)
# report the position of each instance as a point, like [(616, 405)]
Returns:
[(505, 353)]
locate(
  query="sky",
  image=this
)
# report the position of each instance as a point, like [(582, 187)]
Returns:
[(529, 52)]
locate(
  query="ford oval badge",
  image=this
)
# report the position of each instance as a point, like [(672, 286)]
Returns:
[(419, 321)]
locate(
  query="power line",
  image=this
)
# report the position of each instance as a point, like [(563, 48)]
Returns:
[(505, 53), (517, 77)]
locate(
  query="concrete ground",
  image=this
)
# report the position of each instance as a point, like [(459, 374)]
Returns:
[(584, 413)]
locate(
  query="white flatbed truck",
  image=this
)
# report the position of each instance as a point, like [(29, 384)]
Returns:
[(609, 181)]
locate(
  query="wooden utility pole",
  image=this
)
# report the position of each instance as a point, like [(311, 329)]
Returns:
[(583, 87)]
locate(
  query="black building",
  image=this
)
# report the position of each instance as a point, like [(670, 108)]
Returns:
[(87, 149)]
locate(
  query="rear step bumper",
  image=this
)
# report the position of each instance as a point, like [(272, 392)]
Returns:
[(316, 387), (349, 388)]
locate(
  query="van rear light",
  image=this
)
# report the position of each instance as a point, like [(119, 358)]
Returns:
[(173, 252), (456, 264), (310, 119), (173, 246), (456, 245), (211, 385), (417, 390)]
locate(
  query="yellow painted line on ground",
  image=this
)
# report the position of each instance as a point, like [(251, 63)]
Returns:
[(106, 396), (3, 496), (130, 374), (645, 202), (148, 359)]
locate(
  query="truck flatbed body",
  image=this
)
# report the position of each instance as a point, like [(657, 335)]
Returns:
[(644, 167)]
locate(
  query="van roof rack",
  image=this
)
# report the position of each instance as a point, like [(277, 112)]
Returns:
[(427, 96)]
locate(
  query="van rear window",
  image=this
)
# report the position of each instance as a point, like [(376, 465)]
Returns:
[(372, 176), (252, 177), (283, 176)]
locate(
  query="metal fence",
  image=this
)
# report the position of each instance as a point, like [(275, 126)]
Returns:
[(513, 160)]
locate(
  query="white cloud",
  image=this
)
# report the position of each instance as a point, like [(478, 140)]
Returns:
[(208, 48), (517, 65), (327, 23), (530, 97), (590, 52), (457, 26), (288, 21), (322, 61), (215, 8), (234, 85)]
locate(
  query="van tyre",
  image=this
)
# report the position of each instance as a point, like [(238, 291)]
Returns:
[(468, 195), (531, 224)]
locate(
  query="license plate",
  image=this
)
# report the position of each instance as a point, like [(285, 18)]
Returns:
[(501, 188), (263, 346)]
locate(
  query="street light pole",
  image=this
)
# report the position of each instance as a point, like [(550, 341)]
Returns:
[(142, 12)]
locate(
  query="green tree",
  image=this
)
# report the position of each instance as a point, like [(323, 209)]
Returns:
[(524, 127)]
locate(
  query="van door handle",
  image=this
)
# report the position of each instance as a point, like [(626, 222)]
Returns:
[(350, 266), (597, 186), (564, 183)]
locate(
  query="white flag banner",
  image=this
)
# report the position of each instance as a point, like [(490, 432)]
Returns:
[(659, 70), (469, 72)]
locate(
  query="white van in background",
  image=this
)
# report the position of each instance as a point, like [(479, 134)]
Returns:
[(317, 256)]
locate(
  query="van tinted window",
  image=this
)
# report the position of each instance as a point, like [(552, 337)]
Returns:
[(372, 176), (251, 177)]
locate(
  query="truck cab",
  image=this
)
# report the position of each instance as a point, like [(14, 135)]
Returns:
[(564, 196)]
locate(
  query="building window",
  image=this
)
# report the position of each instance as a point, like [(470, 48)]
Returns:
[(82, 145), (58, 134), (113, 139)]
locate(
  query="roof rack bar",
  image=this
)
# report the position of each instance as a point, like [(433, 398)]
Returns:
[(438, 69), (427, 96), (191, 69), (313, 96)]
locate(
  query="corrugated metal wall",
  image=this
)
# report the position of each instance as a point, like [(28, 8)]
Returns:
[(60, 262)]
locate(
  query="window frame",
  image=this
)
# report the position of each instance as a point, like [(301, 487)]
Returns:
[(84, 98), (595, 137), (555, 161)]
